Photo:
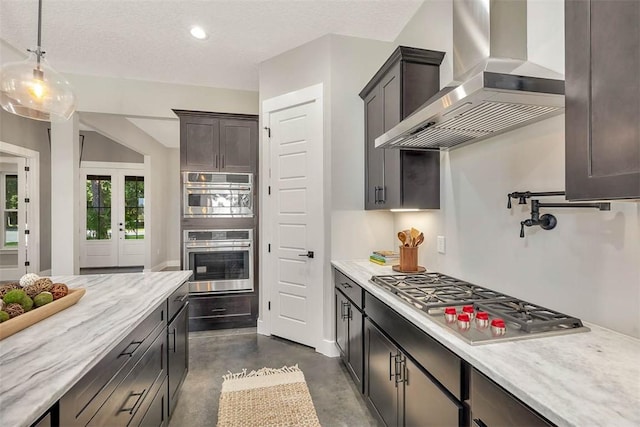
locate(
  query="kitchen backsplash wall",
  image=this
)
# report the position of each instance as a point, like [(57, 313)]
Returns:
[(588, 266)]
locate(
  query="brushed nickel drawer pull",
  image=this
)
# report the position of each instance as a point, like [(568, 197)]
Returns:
[(218, 309)]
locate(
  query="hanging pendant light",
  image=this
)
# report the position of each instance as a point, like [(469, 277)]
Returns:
[(33, 89)]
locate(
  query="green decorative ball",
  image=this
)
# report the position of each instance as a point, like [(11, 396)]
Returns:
[(4, 316), (43, 298), (14, 296), (27, 303)]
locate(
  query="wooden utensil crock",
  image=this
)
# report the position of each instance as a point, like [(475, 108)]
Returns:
[(408, 259)]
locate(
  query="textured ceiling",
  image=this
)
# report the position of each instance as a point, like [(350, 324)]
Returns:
[(150, 40)]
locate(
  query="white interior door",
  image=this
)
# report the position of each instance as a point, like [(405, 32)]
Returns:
[(296, 213), (112, 231)]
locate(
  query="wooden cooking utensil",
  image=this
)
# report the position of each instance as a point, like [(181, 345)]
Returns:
[(402, 237), (420, 239)]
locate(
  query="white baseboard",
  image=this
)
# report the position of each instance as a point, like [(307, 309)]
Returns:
[(328, 348), (158, 267), (45, 273), (262, 328), (173, 263)]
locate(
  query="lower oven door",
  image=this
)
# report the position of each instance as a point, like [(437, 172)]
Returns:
[(220, 269)]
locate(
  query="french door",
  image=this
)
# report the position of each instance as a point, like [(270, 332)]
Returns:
[(112, 217)]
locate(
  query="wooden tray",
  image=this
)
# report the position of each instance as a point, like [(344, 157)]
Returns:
[(419, 270), (29, 318)]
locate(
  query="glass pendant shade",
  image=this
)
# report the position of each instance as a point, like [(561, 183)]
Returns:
[(35, 90)]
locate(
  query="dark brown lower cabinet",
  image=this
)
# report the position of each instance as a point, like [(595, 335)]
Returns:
[(222, 311), (349, 324), (399, 391), (178, 354)]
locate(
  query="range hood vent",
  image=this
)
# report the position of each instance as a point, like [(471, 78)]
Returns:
[(500, 90)]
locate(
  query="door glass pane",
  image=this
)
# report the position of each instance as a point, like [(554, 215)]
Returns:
[(98, 207), (134, 207), (10, 237), (11, 192)]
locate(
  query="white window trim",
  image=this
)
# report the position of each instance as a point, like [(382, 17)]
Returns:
[(3, 203)]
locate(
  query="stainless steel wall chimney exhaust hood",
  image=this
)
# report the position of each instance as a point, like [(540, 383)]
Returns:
[(495, 88)]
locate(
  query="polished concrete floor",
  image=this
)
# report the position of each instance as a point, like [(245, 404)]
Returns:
[(214, 353)]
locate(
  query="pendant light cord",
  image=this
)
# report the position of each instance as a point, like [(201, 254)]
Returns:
[(39, 52)]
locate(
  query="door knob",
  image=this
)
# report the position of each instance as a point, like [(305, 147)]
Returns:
[(309, 254)]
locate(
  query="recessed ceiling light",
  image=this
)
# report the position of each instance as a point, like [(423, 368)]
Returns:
[(198, 33)]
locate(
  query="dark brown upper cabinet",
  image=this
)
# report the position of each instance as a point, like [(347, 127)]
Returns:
[(602, 71), (218, 142), (400, 179)]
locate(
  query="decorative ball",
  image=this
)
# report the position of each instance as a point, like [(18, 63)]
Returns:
[(14, 296), (27, 303), (43, 298), (59, 290), (1, 304), (40, 285), (28, 279), (8, 287), (14, 310), (4, 316)]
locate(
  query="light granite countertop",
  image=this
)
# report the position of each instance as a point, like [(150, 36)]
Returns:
[(39, 364), (585, 379)]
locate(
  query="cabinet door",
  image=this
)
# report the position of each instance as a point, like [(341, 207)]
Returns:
[(178, 353), (390, 89), (425, 405), (602, 99), (199, 144), (374, 160), (341, 324), (238, 145), (381, 389), (355, 346)]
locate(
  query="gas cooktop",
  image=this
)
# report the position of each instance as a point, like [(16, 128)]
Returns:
[(478, 315)]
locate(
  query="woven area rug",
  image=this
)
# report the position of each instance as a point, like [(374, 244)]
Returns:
[(267, 397)]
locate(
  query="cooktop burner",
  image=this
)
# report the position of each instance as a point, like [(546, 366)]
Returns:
[(477, 314)]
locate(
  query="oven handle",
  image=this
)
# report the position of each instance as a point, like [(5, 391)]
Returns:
[(202, 189), (237, 245)]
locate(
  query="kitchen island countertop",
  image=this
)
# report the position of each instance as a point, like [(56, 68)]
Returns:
[(39, 364), (583, 379)]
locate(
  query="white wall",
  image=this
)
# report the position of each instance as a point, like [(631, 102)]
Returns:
[(589, 266)]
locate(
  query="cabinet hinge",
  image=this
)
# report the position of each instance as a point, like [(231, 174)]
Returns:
[(26, 231), (269, 305), (27, 264), (26, 200), (268, 129), (26, 168)]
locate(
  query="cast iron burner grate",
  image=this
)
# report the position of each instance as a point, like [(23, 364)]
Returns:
[(530, 317)]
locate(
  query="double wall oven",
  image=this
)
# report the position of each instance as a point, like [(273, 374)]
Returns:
[(218, 232)]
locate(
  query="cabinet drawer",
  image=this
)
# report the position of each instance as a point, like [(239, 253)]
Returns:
[(153, 412), (441, 363), (80, 403), (177, 300), (219, 306), (492, 406), (129, 396), (351, 289)]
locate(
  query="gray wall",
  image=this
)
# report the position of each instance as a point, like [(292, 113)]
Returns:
[(99, 148), (32, 134)]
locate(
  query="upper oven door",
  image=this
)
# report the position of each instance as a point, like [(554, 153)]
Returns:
[(218, 203)]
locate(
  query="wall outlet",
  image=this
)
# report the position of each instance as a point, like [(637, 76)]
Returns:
[(441, 245)]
